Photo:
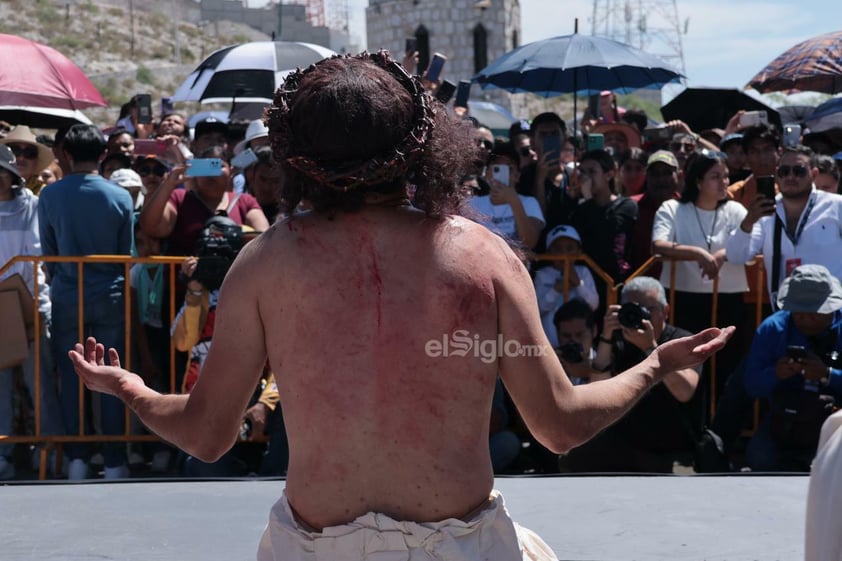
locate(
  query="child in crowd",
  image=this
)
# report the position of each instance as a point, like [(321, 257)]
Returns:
[(550, 281)]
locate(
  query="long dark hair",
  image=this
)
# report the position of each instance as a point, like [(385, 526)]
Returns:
[(698, 164), (350, 126)]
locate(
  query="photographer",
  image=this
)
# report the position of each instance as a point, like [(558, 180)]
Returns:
[(793, 364), (662, 427), (576, 328), (217, 246)]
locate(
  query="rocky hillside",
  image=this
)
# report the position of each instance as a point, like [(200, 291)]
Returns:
[(97, 36)]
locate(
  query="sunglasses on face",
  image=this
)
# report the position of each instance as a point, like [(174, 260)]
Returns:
[(679, 146), (797, 171), (151, 170), (24, 151)]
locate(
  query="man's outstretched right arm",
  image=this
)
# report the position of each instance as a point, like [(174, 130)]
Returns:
[(558, 414)]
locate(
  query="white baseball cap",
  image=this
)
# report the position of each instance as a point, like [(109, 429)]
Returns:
[(126, 178), (563, 231)]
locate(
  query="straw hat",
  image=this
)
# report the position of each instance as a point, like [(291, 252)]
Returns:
[(21, 134)]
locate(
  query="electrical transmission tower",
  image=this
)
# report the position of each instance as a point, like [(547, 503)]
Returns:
[(650, 25)]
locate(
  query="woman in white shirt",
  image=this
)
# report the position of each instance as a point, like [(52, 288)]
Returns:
[(692, 233)]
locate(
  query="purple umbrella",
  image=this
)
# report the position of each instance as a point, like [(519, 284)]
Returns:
[(814, 65)]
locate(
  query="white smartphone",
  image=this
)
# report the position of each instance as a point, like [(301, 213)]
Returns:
[(500, 172), (754, 119)]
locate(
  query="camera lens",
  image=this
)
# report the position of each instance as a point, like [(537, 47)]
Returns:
[(571, 353), (632, 314)]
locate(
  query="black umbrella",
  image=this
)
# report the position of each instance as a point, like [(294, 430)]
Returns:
[(795, 113), (711, 108)]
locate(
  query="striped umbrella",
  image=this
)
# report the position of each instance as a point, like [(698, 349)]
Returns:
[(814, 65), (248, 72)]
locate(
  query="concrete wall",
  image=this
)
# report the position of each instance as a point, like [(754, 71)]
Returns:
[(450, 25)]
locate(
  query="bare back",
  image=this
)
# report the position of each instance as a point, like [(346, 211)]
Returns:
[(375, 424)]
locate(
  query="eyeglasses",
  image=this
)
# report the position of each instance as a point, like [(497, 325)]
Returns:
[(685, 146), (24, 151), (487, 144), (797, 171), (151, 170)]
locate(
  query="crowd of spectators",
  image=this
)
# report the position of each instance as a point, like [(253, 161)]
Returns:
[(586, 222)]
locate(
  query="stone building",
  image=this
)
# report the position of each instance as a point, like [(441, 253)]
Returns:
[(470, 33)]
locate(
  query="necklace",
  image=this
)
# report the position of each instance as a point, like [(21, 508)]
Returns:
[(708, 237)]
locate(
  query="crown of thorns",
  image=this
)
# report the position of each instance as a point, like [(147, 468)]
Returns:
[(382, 168)]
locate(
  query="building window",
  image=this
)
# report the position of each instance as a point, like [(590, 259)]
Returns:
[(423, 38), (515, 42), (480, 48)]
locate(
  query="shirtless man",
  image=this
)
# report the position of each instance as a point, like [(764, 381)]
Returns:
[(350, 303)]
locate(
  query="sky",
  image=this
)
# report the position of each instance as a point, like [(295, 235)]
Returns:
[(726, 44)]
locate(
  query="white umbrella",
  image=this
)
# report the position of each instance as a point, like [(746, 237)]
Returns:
[(248, 72)]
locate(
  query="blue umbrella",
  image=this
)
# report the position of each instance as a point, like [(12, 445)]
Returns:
[(827, 116), (577, 64), (581, 64)]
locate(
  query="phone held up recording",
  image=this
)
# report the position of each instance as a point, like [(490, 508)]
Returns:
[(500, 172), (436, 66), (144, 108), (766, 186)]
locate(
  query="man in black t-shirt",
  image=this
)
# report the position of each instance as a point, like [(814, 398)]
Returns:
[(664, 425)]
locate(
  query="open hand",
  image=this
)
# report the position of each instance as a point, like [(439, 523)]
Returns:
[(691, 351), (89, 363)]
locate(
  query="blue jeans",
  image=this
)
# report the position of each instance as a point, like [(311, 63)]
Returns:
[(50, 409), (104, 319)]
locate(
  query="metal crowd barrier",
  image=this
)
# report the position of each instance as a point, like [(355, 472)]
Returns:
[(612, 297)]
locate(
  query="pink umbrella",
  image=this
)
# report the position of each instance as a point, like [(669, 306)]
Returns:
[(36, 75)]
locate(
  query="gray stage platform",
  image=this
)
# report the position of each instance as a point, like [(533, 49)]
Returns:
[(582, 518)]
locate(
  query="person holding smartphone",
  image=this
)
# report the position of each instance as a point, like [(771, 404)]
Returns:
[(547, 178), (810, 222), (505, 211), (178, 214)]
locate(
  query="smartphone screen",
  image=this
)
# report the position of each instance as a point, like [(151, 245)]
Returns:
[(445, 91), (766, 186), (167, 106), (204, 167), (435, 68), (463, 92), (796, 351), (596, 141), (411, 45), (551, 145), (144, 108)]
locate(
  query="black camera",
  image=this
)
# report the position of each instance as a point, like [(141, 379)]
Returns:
[(632, 314), (216, 247), (571, 353)]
